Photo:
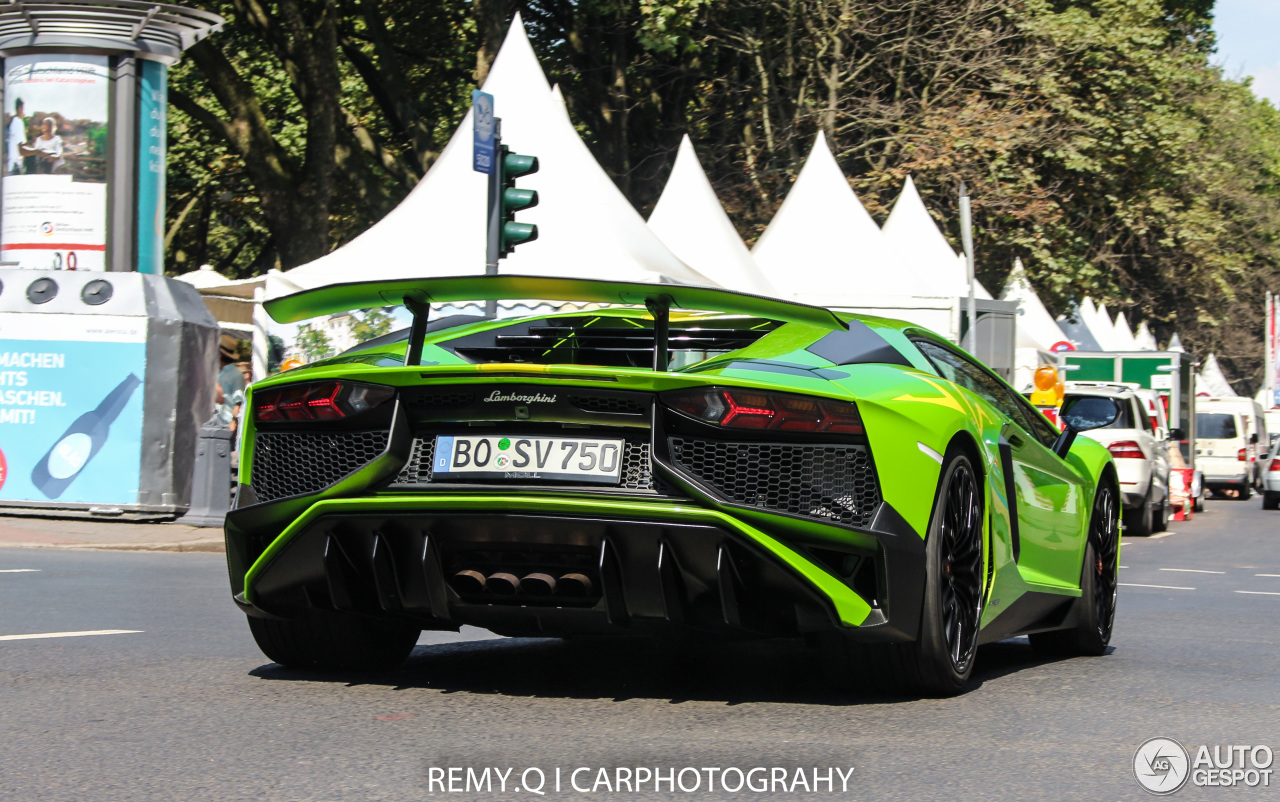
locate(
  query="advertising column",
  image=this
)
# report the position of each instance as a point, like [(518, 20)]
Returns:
[(55, 171)]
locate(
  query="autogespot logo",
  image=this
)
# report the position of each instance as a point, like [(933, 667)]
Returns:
[(1161, 765)]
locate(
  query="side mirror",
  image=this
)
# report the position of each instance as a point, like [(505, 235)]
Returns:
[(1161, 434), (1177, 434), (1080, 414), (1253, 439)]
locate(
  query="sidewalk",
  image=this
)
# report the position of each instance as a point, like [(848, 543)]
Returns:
[(98, 533)]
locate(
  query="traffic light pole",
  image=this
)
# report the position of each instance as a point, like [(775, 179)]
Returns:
[(493, 248)]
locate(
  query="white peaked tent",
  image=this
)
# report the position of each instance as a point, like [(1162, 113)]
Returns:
[(1124, 335), (1076, 326), (1212, 381), (1104, 328), (1145, 339), (689, 220), (1036, 327), (822, 242), (1175, 344), (586, 227), (921, 252), (558, 99)]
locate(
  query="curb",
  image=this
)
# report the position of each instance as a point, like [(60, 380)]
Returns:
[(208, 546)]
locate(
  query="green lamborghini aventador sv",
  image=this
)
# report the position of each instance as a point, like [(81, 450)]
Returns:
[(666, 460)]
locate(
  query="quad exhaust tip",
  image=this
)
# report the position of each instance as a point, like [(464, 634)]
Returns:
[(470, 582), (538, 584), (576, 585), (503, 584)]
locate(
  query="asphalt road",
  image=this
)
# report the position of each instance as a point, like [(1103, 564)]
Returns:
[(186, 708)]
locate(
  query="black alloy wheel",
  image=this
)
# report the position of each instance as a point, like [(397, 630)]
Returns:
[(962, 578), (1105, 542)]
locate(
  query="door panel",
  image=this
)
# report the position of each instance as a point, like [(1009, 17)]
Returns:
[(1050, 506)]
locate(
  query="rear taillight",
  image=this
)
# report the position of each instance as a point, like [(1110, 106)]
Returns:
[(1126, 449), (1243, 455), (751, 409), (318, 401), (1275, 465)]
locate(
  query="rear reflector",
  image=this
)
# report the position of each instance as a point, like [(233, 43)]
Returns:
[(734, 408), (1126, 449)]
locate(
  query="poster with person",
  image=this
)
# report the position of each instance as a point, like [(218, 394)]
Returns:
[(54, 190)]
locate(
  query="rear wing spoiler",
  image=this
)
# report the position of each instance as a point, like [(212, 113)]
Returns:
[(418, 294)]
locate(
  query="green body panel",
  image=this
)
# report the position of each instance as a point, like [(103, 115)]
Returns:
[(908, 412), (851, 609)]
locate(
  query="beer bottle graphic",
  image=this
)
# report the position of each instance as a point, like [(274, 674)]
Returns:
[(84, 438)]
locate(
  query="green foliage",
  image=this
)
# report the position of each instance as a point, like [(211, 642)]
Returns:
[(1098, 140), (374, 323), (313, 343), (275, 353)]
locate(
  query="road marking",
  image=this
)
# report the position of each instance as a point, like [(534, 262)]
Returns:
[(1266, 574), (1259, 592), (1124, 566), (19, 570), (1162, 534), (1193, 571), (1161, 587), (38, 635)]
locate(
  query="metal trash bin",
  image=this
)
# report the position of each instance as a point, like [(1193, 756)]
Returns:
[(105, 380)]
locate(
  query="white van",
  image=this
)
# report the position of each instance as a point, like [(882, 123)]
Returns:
[(1231, 440)]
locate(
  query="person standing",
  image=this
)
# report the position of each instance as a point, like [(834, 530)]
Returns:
[(17, 136), (231, 383)]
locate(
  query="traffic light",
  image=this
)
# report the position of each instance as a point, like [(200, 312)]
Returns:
[(513, 166)]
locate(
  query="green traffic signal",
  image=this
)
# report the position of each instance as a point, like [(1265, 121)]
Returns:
[(517, 199), (513, 166), (514, 234)]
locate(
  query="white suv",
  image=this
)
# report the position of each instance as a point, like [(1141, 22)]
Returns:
[(1140, 450), (1271, 479)]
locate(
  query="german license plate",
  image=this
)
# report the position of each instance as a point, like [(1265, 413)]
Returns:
[(592, 460)]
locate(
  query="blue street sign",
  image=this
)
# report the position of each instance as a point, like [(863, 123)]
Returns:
[(482, 117)]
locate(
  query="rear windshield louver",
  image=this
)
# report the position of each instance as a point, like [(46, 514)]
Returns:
[(605, 341)]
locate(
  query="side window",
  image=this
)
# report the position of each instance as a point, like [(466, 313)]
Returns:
[(1040, 425), (1141, 414), (960, 370)]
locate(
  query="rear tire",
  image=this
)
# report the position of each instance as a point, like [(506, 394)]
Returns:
[(1099, 581), (1197, 504), (334, 641), (1160, 519), (940, 661), (1271, 501), (1138, 523), (1245, 492)]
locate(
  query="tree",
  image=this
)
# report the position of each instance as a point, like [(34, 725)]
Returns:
[(313, 342), (275, 353), (375, 323)]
